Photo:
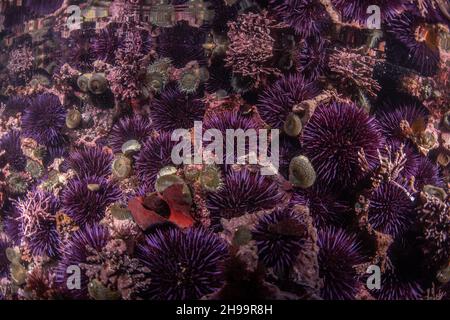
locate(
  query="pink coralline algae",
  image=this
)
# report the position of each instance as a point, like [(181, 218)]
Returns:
[(124, 77), (251, 46), (20, 60), (335, 141), (354, 70)]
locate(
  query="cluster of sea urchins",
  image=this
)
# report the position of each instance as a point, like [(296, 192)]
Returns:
[(123, 164)]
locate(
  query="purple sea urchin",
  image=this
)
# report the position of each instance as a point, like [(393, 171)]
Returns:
[(134, 127), (40, 284), (154, 155), (312, 58), (334, 137), (280, 236), (223, 12), (219, 78), (229, 120), (43, 7), (54, 152), (10, 144), (15, 15), (88, 182), (182, 44), (128, 40), (75, 251), (44, 120), (389, 119), (4, 262), (105, 44), (306, 17), (183, 265), (16, 104), (391, 209), (243, 192), (77, 51), (356, 10), (85, 200), (427, 173), (435, 11), (395, 286), (176, 110), (38, 223), (276, 102), (323, 205), (420, 39), (402, 280), (11, 224), (91, 162), (339, 253)]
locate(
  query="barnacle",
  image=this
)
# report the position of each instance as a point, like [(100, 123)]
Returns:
[(157, 75), (73, 119), (97, 83)]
